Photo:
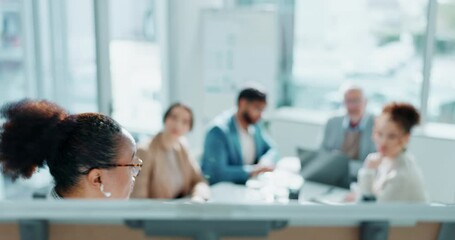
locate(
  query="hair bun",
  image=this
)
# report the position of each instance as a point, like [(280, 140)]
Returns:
[(29, 136), (403, 113)]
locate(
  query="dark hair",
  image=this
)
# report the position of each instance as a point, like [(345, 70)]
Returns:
[(252, 94), (40, 132), (403, 114), (175, 105)]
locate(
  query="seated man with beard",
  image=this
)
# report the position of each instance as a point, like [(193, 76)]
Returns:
[(236, 146)]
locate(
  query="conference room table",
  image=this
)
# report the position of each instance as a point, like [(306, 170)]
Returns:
[(310, 193)]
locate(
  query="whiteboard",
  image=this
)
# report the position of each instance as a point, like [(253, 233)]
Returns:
[(239, 46)]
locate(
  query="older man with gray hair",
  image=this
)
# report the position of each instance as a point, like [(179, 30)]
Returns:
[(351, 132)]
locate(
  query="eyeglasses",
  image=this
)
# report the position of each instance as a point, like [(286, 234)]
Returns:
[(135, 167)]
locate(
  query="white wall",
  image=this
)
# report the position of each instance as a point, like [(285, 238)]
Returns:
[(185, 56), (292, 128), (437, 161)]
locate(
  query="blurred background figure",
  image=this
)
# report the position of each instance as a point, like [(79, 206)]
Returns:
[(351, 132), (236, 147), (169, 170), (391, 174)]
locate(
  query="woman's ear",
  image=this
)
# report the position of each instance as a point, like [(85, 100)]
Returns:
[(94, 178)]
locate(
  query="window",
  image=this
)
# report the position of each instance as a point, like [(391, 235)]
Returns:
[(12, 52), (79, 33), (65, 57), (48, 50), (377, 44), (135, 65), (441, 104)]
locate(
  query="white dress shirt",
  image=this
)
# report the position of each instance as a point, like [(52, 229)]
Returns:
[(247, 145)]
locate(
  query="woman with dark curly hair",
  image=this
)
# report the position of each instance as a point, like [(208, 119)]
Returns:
[(391, 174), (89, 155)]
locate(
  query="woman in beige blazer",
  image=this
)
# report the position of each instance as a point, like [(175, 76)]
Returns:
[(391, 174), (168, 170)]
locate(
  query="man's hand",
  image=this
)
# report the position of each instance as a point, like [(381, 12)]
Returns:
[(260, 169)]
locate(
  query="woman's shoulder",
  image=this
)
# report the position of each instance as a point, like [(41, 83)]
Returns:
[(407, 163), (408, 169), (155, 141), (145, 147)]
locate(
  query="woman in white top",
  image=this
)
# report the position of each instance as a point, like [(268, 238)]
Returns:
[(391, 174)]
